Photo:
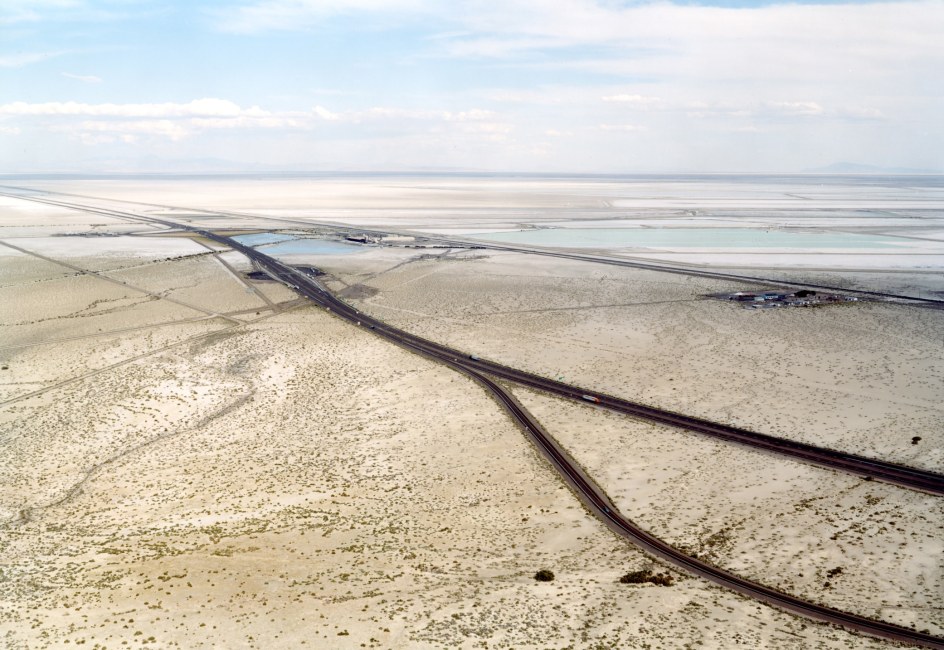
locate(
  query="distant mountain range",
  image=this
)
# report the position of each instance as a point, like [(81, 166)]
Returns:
[(855, 168), (148, 165)]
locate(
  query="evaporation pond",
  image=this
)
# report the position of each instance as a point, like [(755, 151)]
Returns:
[(262, 238), (690, 238), (311, 247)]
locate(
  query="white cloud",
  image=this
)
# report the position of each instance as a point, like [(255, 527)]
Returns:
[(10, 130), (542, 96), (325, 114), (629, 128), (473, 115), (796, 108), (222, 108), (134, 123), (16, 11), (96, 132), (293, 15), (85, 78), (695, 37), (861, 113), (498, 47), (635, 101), (380, 113), (781, 110), (38, 11), (844, 54), (492, 128), (104, 123), (798, 72), (27, 58), (207, 107), (248, 122)]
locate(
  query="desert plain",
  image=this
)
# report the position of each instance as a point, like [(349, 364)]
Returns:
[(193, 456)]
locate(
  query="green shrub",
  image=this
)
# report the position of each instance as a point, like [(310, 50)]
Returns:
[(645, 575), (544, 575)]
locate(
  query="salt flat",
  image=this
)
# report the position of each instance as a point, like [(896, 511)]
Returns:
[(193, 458)]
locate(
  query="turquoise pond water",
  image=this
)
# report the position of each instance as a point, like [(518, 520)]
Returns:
[(310, 247), (276, 244), (690, 238), (261, 238)]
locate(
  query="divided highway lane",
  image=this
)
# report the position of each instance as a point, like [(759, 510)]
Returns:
[(597, 502), (484, 244), (687, 270), (587, 490), (901, 475)]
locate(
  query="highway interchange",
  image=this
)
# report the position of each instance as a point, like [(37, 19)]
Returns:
[(483, 371)]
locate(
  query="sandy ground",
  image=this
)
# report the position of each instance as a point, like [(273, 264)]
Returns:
[(928, 283), (224, 468), (857, 545), (866, 377), (291, 482)]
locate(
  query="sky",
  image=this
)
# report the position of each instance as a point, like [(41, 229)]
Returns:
[(581, 86)]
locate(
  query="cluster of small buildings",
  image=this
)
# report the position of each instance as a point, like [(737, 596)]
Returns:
[(772, 299)]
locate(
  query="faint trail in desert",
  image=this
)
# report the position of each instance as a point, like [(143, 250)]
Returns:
[(124, 362), (236, 276), (101, 275), (26, 515), (108, 333), (584, 307)]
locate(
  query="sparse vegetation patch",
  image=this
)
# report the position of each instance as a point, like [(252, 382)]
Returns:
[(644, 576)]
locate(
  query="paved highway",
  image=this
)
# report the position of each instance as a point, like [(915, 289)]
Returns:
[(588, 491), (527, 250), (870, 468), (690, 270), (901, 475)]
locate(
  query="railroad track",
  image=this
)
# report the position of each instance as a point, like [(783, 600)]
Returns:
[(587, 490)]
